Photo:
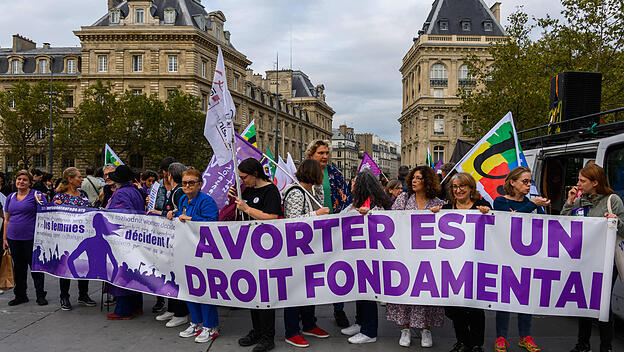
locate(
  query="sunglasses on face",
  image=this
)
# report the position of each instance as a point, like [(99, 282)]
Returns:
[(526, 182), (189, 183)]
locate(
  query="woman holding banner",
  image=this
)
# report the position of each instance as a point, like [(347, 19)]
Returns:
[(68, 193), (469, 323), (597, 199), (517, 186), (125, 198), (20, 214), (423, 187), (261, 200), (367, 194), (297, 203), (197, 206)]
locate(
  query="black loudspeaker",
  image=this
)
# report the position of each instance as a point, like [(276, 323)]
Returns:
[(575, 94)]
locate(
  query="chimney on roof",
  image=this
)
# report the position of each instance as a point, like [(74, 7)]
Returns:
[(113, 3), (46, 45), (21, 43), (496, 10)]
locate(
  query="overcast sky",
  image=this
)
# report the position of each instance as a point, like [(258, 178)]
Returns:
[(353, 47)]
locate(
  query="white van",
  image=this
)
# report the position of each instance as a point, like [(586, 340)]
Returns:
[(556, 168)]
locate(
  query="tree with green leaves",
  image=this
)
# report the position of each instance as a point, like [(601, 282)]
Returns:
[(589, 37), (25, 116)]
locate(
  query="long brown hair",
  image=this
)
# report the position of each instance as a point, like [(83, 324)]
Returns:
[(430, 181), (70, 172), (464, 178), (596, 173)]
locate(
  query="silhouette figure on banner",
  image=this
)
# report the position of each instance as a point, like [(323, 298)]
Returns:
[(97, 249)]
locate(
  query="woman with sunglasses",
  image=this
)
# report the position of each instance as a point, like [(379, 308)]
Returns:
[(517, 186), (197, 206), (261, 200)]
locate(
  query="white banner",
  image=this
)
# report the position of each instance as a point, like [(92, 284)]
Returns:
[(526, 263)]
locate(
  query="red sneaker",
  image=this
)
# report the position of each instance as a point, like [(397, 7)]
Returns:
[(297, 341), (317, 332), (113, 316), (500, 345), (528, 344)]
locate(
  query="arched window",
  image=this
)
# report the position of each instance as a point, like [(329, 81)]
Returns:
[(465, 78), (16, 66), (439, 77), (113, 16), (43, 66), (170, 16), (438, 124), (438, 153)]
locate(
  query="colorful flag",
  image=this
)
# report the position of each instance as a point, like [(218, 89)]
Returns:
[(438, 165), (219, 178), (270, 166), (493, 157), (369, 163), (218, 128), (430, 159), (110, 157), (250, 133)]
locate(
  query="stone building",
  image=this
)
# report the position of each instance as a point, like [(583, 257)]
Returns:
[(433, 71), (344, 152), (156, 46), (386, 154)]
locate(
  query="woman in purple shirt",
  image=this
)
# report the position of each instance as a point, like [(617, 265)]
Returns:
[(19, 232), (126, 197)]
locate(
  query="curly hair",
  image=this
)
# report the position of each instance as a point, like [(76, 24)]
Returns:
[(367, 186), (430, 181)]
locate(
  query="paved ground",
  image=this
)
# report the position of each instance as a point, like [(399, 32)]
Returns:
[(29, 327)]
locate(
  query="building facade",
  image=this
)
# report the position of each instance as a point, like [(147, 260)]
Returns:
[(386, 154), (344, 153), (434, 69), (156, 46)]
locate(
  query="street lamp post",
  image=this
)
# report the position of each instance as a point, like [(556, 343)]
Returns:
[(276, 108), (51, 93)]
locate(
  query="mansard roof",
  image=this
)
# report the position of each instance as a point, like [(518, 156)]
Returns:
[(186, 10), (29, 58), (455, 12), (302, 86)]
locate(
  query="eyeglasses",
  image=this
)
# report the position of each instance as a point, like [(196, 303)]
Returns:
[(526, 182), (456, 187), (189, 183), (106, 174), (243, 177)]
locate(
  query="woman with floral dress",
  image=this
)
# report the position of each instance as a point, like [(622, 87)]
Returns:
[(422, 188)]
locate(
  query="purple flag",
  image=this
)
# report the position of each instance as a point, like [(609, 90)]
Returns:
[(369, 163), (438, 165), (219, 179)]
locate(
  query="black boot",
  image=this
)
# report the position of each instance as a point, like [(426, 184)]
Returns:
[(250, 339)]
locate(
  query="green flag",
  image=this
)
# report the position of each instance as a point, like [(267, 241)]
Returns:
[(249, 134), (272, 166), (110, 157)]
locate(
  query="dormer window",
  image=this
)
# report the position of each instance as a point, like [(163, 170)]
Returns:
[(15, 67), (443, 25), (170, 16), (43, 66), (201, 22), (114, 16), (139, 15), (466, 26), (487, 26)]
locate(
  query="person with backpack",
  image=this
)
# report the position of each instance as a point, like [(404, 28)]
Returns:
[(298, 203), (597, 200), (91, 185)]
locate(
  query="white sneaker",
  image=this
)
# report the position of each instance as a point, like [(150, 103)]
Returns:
[(361, 338), (207, 334), (351, 330), (406, 338), (177, 321), (192, 330), (164, 316), (427, 340), (1, 292)]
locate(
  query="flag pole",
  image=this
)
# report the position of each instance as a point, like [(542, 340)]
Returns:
[(293, 179)]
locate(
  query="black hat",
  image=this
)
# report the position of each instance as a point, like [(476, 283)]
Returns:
[(122, 174)]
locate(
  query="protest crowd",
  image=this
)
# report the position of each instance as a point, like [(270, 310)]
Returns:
[(320, 190)]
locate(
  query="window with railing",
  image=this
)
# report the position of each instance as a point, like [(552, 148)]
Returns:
[(438, 76), (465, 78)]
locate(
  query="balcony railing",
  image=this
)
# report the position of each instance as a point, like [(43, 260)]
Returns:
[(438, 82)]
